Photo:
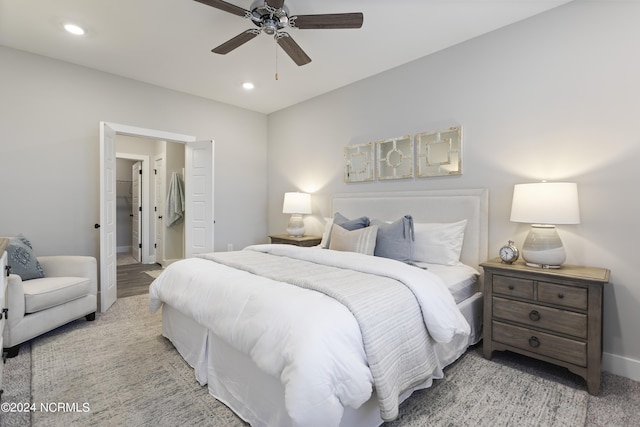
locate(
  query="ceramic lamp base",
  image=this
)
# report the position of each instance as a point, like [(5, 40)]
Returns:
[(543, 248), (295, 227)]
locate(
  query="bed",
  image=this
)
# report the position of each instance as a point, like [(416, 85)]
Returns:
[(305, 345)]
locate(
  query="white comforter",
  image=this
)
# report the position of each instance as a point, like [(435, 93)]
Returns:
[(309, 341)]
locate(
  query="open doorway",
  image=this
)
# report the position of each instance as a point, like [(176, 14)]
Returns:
[(198, 207), (147, 172), (128, 203)]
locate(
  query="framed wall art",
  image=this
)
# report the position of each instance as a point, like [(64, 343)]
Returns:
[(395, 158), (439, 153), (358, 163)]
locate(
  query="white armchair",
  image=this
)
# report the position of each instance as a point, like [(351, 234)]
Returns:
[(68, 291)]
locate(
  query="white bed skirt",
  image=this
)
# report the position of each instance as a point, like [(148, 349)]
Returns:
[(257, 397)]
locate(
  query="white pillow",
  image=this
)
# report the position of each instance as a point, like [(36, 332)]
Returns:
[(362, 240), (327, 232), (439, 243)]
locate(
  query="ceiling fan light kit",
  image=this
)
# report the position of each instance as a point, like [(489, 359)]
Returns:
[(272, 16)]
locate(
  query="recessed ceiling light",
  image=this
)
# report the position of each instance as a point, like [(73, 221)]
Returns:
[(248, 85), (74, 29)]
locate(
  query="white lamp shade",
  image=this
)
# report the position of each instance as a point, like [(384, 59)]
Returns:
[(546, 203), (296, 203)]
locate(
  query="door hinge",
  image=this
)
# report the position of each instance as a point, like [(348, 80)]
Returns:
[(155, 246), (155, 171), (140, 208), (140, 171), (140, 245)]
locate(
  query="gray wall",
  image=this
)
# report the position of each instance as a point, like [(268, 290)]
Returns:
[(555, 97), (49, 151)]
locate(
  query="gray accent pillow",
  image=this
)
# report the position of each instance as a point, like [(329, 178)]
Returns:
[(395, 239), (350, 224), (22, 259)]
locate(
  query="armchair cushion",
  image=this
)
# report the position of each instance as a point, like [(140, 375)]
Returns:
[(22, 259), (40, 294)]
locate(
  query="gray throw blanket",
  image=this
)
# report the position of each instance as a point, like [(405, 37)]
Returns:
[(394, 335)]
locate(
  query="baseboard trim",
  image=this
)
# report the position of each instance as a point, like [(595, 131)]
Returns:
[(622, 366)]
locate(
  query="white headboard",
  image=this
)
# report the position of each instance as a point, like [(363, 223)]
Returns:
[(428, 206)]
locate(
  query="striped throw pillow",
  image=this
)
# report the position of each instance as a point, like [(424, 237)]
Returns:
[(362, 240)]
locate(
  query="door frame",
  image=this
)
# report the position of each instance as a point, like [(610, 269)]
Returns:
[(106, 299)]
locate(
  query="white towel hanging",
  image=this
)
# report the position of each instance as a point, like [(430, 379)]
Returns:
[(175, 200)]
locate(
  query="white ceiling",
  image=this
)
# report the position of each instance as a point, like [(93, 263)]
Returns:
[(168, 42)]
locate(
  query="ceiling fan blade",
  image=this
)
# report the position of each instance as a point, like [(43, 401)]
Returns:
[(227, 7), (328, 21), (276, 4), (286, 42), (236, 42)]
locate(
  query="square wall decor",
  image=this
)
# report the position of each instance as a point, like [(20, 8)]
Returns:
[(439, 152), (358, 163), (395, 158)]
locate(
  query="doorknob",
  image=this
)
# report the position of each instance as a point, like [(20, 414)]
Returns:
[(160, 217), (96, 225)]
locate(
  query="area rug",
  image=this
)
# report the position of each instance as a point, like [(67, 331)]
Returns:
[(119, 370), (16, 385), (153, 273)]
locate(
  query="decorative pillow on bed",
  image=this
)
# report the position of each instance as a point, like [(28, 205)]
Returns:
[(22, 259), (439, 243), (362, 240), (395, 239), (328, 223), (347, 224), (350, 224)]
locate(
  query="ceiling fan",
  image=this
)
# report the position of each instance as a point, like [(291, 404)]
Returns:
[(271, 16)]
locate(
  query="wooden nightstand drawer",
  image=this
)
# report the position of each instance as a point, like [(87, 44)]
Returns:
[(552, 319), (512, 286), (559, 348), (566, 296)]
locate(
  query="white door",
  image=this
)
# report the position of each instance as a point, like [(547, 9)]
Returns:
[(136, 211), (198, 216), (159, 209), (108, 287)]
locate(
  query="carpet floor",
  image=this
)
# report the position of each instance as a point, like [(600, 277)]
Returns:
[(119, 370)]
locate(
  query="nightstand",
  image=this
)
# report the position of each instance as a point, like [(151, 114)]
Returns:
[(553, 315), (298, 241)]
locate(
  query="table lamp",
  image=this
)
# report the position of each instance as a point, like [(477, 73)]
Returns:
[(296, 204), (544, 205)]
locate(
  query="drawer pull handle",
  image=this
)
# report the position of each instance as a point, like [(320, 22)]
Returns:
[(534, 315), (560, 295), (534, 342), (511, 287)]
